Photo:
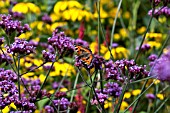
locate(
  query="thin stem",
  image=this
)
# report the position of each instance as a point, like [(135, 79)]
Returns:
[(19, 90), (114, 24), (99, 40), (89, 97), (45, 79), (72, 95), (163, 103), (117, 107)]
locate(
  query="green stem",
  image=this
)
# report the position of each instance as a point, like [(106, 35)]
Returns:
[(117, 107), (114, 23), (45, 79), (72, 95), (19, 90), (88, 102), (99, 40)]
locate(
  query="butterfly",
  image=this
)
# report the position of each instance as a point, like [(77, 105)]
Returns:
[(85, 55)]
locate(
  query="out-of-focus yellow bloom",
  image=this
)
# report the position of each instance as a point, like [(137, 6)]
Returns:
[(63, 89), (42, 78), (26, 8), (126, 15), (37, 62), (28, 64), (6, 110), (62, 69), (63, 5), (4, 3), (13, 106), (154, 44), (162, 19), (141, 30), (103, 14), (37, 111), (160, 96), (55, 17), (123, 32), (116, 36), (119, 52), (136, 92), (107, 104), (57, 24), (112, 13), (156, 81), (93, 47), (30, 74), (103, 49), (156, 36), (124, 105), (127, 95), (51, 91), (26, 35)]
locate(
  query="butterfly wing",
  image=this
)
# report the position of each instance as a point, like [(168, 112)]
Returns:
[(85, 54)]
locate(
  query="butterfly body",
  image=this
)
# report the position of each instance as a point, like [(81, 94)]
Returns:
[(85, 54)]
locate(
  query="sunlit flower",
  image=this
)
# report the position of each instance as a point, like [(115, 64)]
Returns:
[(136, 92), (160, 96), (124, 105), (127, 95), (26, 8), (141, 30)]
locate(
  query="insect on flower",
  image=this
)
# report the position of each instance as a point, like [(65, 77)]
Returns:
[(84, 54)]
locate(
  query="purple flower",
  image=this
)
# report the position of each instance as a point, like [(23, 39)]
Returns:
[(16, 15), (98, 61), (113, 89), (62, 103), (161, 68), (164, 10), (1, 40), (46, 19), (144, 48), (49, 109), (81, 42), (101, 96), (5, 58), (20, 46), (49, 57), (63, 44), (156, 2), (150, 96), (9, 25)]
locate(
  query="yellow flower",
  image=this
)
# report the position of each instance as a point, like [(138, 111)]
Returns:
[(119, 52), (26, 8), (127, 95), (103, 14), (154, 44), (141, 30), (107, 104), (124, 105), (112, 12), (160, 96), (26, 35), (136, 92), (162, 19), (55, 17), (63, 89), (63, 69), (123, 32), (116, 36), (126, 15), (57, 24), (6, 110), (156, 81), (4, 3), (42, 78)]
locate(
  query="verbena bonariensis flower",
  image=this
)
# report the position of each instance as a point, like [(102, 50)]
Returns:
[(63, 44), (161, 68), (118, 70), (9, 25), (101, 98), (8, 88), (49, 57), (156, 2), (20, 46), (62, 103), (144, 48), (113, 89), (152, 58), (5, 58), (160, 11), (81, 42), (150, 96), (16, 15), (49, 109), (46, 19)]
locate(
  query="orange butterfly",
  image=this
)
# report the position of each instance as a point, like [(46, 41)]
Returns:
[(85, 54)]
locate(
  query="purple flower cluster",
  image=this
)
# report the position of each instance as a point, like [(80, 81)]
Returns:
[(20, 46), (156, 2), (63, 44), (120, 67), (5, 58), (49, 109), (46, 19), (150, 96), (152, 59), (81, 42), (101, 96), (16, 15), (49, 57), (10, 25), (113, 89), (62, 103), (144, 48), (161, 68), (160, 11), (8, 88)]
